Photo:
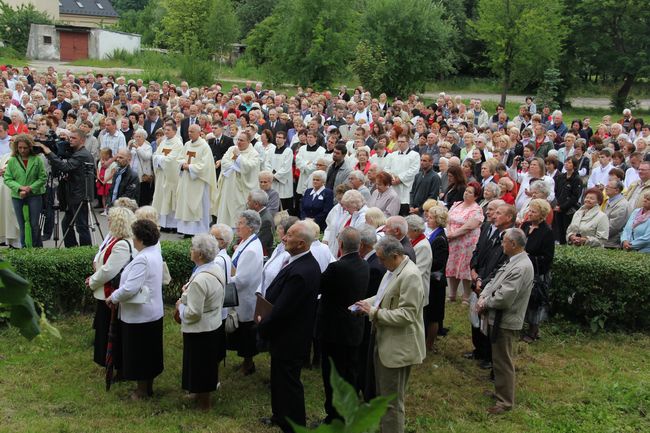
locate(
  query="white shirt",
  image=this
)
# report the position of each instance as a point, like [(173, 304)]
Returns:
[(388, 277), (599, 175), (223, 260), (322, 254), (272, 267), (249, 276)]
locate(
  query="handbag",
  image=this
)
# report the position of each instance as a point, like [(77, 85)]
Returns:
[(539, 292), (232, 322), (167, 277), (230, 297)]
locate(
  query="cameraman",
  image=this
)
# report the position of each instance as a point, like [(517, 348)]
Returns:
[(78, 169)]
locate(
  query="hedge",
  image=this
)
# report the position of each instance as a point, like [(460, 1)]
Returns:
[(597, 287)]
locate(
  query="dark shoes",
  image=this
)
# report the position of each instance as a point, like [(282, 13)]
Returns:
[(469, 355), (497, 410), (485, 365), (267, 421)]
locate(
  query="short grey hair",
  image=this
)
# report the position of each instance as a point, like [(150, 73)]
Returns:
[(320, 174), (287, 222), (398, 222), (353, 198), (493, 188), (206, 246), (368, 235), (390, 246), (225, 231), (350, 239), (141, 133), (305, 232), (618, 184), (252, 219), (358, 175), (415, 223), (541, 186), (517, 236), (259, 196), (265, 173)]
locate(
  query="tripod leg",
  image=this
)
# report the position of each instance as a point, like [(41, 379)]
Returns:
[(72, 222), (95, 222)]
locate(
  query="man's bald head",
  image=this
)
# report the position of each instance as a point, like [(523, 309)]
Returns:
[(123, 157)]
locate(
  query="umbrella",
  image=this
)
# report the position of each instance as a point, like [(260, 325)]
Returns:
[(28, 226), (112, 333)]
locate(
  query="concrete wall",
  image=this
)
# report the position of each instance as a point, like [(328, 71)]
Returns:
[(51, 7), (104, 42), (37, 48)]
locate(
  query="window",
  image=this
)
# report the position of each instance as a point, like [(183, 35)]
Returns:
[(99, 5), (79, 4), (47, 40)]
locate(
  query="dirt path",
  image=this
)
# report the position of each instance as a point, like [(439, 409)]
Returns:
[(584, 102)]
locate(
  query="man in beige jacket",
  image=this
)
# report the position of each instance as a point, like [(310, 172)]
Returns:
[(396, 316), (505, 299)]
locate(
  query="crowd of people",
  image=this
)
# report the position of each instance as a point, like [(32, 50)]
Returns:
[(357, 218)]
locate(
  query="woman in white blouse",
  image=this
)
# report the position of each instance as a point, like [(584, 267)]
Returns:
[(141, 155), (113, 255), (247, 265), (141, 310), (199, 311), (536, 170), (355, 216), (223, 233)]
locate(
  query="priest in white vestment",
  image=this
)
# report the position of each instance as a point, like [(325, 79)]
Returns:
[(281, 161), (306, 159), (240, 167), (196, 192), (167, 175), (403, 164)]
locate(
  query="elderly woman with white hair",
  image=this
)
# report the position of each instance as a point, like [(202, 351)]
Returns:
[(539, 189), (358, 181), (141, 156), (319, 250), (491, 191), (375, 217), (199, 313), (318, 200), (354, 216), (247, 264), (114, 254), (18, 125), (422, 248)]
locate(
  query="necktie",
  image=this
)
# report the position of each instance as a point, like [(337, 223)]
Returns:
[(285, 262)]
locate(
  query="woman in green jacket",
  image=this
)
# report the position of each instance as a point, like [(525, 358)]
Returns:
[(25, 176)]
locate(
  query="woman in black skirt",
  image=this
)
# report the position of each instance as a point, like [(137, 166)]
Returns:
[(434, 313), (199, 312), (141, 310), (113, 255)]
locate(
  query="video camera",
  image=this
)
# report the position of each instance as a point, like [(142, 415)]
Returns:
[(60, 148)]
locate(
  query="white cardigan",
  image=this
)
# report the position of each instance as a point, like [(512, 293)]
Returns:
[(146, 269), (104, 272), (248, 276)]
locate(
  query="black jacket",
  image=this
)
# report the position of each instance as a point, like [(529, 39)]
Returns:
[(540, 246), (440, 252), (129, 185), (343, 283), (425, 186), (219, 148), (185, 124), (151, 135), (377, 271), (289, 326), (568, 192), (488, 254), (79, 169)]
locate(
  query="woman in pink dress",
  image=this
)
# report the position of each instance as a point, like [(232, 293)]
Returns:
[(463, 230)]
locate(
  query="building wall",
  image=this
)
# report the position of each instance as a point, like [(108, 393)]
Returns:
[(51, 7), (104, 42), (86, 21), (37, 48)]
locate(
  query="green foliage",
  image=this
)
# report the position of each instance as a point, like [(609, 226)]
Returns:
[(253, 12), (122, 6), (144, 21), (58, 276), (549, 88), (222, 27), (196, 71), (522, 38), (369, 64), (359, 417), (601, 288), (15, 299), (320, 53), (16, 23), (413, 37)]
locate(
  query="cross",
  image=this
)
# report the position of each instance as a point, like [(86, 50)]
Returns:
[(190, 155), (166, 151)]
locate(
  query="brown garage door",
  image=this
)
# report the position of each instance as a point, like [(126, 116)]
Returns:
[(74, 45)]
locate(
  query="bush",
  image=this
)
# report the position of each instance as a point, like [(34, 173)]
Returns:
[(58, 276), (601, 288)]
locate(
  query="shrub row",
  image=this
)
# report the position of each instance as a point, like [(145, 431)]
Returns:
[(601, 288)]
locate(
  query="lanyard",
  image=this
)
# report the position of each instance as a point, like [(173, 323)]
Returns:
[(239, 253)]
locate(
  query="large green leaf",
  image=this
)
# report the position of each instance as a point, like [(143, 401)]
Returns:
[(13, 287), (24, 317), (344, 397), (368, 416)]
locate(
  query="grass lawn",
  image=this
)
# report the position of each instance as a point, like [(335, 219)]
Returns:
[(567, 382)]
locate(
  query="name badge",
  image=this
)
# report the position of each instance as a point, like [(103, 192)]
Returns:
[(320, 197)]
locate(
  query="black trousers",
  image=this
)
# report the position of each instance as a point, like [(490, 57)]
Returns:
[(345, 360), (287, 393), (482, 345), (287, 204), (146, 193), (80, 224), (561, 222), (404, 209)]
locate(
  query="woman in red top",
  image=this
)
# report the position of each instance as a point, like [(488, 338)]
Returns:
[(17, 124), (363, 157)]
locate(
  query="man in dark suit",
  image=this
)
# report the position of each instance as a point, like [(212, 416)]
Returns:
[(340, 333), (288, 327), (125, 180), (366, 371), (486, 259), (274, 125), (257, 201), (426, 185), (397, 227), (219, 145), (60, 103), (191, 119), (152, 124)]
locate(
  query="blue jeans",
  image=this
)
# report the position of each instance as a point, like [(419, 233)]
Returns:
[(35, 204)]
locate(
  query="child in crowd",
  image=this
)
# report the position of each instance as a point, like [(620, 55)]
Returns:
[(105, 171)]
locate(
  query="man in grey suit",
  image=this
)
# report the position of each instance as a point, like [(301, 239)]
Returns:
[(504, 300), (257, 201), (617, 212)]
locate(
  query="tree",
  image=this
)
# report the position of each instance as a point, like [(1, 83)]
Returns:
[(522, 38), (414, 39), (615, 41), (252, 12), (222, 27), (144, 22), (16, 24), (310, 42), (122, 6)]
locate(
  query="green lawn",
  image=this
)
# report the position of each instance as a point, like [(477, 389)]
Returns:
[(569, 381)]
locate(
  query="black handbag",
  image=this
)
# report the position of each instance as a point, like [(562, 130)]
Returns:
[(541, 284), (230, 297)]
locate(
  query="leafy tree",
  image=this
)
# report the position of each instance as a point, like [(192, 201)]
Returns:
[(252, 12), (144, 22), (16, 23), (548, 92), (221, 27), (369, 64), (614, 40), (310, 42), (414, 39), (522, 38), (122, 6)]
